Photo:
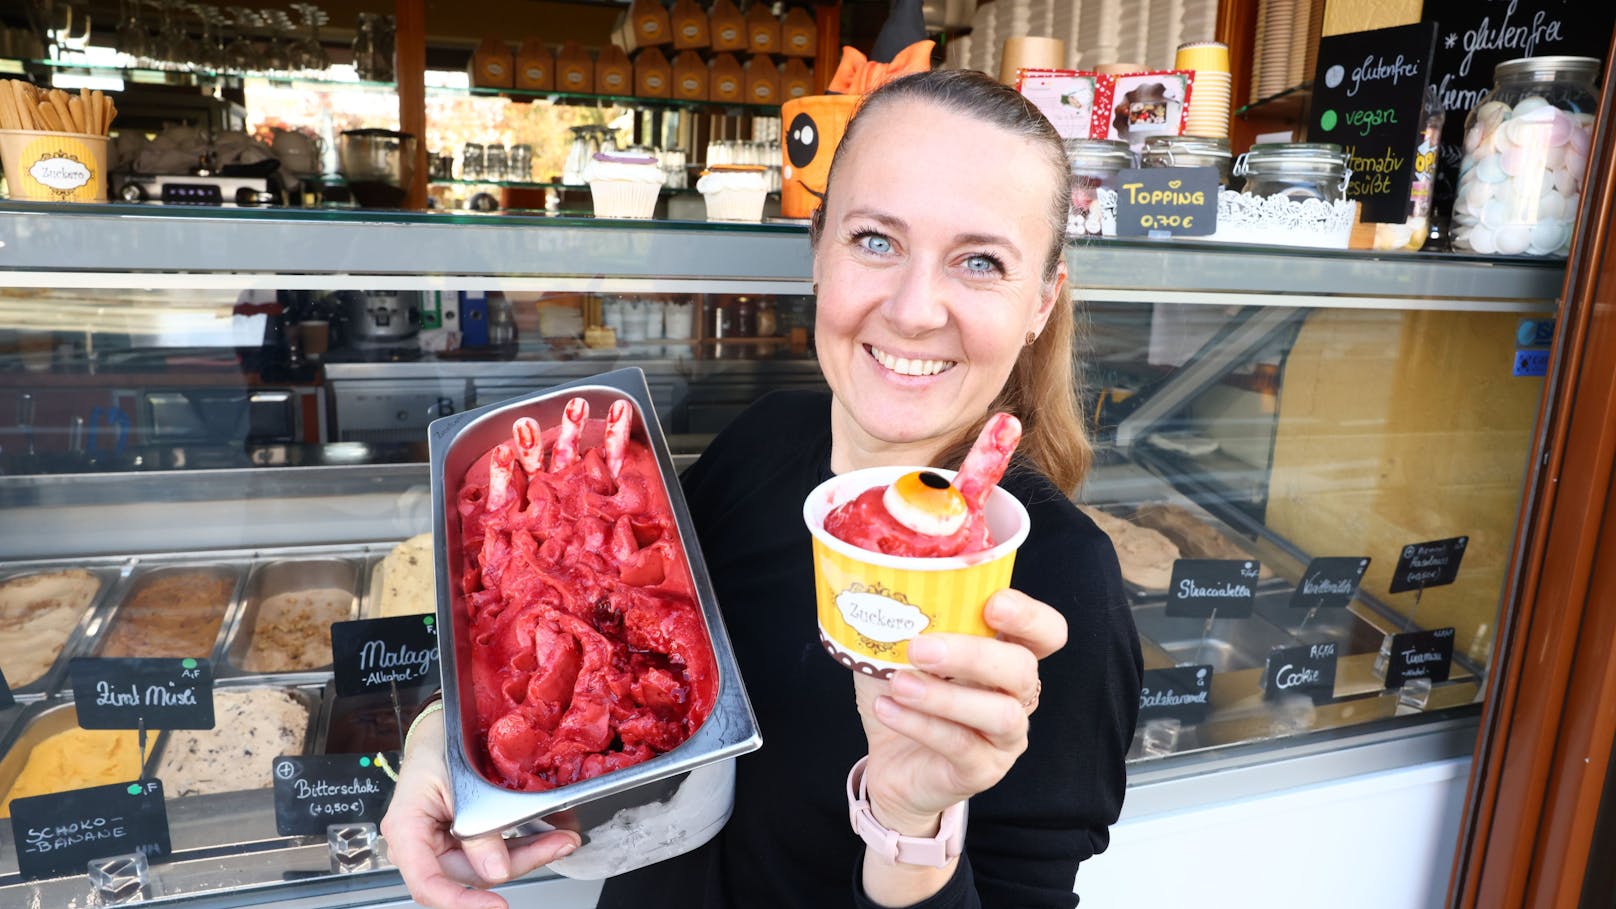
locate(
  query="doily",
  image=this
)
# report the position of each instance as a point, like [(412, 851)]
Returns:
[(1101, 220), (1278, 221)]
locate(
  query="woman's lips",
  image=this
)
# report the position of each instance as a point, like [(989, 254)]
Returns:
[(914, 367)]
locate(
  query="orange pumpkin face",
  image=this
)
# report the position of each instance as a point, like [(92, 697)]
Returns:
[(813, 128)]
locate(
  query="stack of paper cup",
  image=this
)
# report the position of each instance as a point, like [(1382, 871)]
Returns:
[(1212, 91), (1029, 52)]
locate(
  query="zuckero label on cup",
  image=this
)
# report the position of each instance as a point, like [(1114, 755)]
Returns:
[(58, 834), (879, 614), (127, 693), (1202, 586), (314, 791), (1307, 669), (376, 654), (1182, 693), (1163, 201), (1429, 564), (1330, 582), (1420, 655)]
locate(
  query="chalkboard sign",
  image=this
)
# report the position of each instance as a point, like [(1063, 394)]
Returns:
[(1431, 564), (159, 693), (1162, 201), (1182, 693), (1474, 36), (1367, 95), (1308, 669), (1420, 655), (1203, 585), (1330, 582), (375, 654), (312, 792), (58, 834), (6, 700)]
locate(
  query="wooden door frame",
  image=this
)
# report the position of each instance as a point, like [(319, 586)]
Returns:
[(1550, 718)]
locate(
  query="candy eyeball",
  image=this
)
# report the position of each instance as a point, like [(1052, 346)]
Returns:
[(1492, 113), (1513, 239), (927, 503), (1529, 104), (1549, 236)]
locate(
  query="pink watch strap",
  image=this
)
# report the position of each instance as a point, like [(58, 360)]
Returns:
[(928, 851)]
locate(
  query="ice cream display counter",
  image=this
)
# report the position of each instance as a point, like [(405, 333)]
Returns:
[(1311, 466)]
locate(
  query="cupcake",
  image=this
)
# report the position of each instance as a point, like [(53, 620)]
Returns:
[(623, 186), (734, 192)]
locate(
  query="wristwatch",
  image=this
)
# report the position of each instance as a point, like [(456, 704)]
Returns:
[(928, 851)]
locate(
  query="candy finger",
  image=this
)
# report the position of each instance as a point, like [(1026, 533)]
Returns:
[(988, 459)]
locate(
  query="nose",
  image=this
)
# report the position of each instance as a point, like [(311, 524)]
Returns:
[(915, 304)]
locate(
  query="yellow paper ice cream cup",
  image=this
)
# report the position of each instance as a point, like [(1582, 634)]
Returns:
[(871, 605)]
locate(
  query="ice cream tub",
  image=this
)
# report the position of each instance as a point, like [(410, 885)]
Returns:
[(46, 752), (170, 610), (871, 604), (287, 611), (46, 611), (633, 813), (253, 724)]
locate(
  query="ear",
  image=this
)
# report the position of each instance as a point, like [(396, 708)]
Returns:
[(1049, 294)]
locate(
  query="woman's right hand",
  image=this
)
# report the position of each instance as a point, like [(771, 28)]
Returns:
[(440, 870)]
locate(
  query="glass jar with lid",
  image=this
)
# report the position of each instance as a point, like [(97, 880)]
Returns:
[(1094, 165), (1525, 158), (1297, 171), (1189, 151)]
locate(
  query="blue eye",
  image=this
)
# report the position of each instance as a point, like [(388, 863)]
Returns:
[(875, 243), (982, 263)]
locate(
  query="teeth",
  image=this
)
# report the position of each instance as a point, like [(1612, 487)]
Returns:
[(908, 367)]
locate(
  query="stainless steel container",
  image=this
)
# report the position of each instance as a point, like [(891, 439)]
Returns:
[(148, 573), (105, 574), (631, 817), (282, 577)]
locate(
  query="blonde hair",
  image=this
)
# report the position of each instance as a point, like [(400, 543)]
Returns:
[(1043, 390)]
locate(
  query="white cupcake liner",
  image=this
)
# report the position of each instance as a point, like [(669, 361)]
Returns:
[(623, 199), (735, 205)]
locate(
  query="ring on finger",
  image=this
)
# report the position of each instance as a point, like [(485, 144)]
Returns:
[(1031, 703)]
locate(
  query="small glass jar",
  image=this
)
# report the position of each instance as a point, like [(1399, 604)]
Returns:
[(1189, 151), (471, 161), (494, 163), (1297, 171), (1526, 157), (1094, 165), (678, 320)]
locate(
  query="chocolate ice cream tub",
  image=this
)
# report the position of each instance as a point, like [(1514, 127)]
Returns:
[(627, 817)]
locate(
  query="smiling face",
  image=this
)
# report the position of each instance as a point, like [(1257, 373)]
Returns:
[(930, 271)]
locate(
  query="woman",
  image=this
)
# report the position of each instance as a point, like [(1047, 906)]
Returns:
[(941, 298)]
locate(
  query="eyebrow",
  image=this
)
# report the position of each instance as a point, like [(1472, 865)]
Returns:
[(896, 223)]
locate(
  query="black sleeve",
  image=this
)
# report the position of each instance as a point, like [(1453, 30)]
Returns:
[(1025, 837)]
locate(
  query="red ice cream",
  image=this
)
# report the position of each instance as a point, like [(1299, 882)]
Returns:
[(589, 652), (922, 515)]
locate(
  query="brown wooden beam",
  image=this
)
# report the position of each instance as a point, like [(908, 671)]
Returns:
[(410, 69), (1547, 732), (828, 52)]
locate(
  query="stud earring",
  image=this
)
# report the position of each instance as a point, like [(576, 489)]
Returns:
[(1031, 337)]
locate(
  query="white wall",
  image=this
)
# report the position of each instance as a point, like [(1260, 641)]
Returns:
[(1384, 840)]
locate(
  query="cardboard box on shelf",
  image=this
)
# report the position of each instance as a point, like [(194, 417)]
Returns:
[(575, 70), (690, 77), (614, 75), (492, 64), (725, 81), (762, 81), (535, 66), (762, 29), (653, 77), (727, 26), (644, 24), (799, 35), (796, 79), (690, 26)]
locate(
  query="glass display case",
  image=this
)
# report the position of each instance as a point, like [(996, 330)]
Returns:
[(1311, 463)]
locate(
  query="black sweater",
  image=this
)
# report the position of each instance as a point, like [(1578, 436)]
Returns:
[(788, 843)]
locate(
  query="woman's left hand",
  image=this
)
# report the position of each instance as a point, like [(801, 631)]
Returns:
[(953, 726)]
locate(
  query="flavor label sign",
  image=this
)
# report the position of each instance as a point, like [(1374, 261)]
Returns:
[(376, 654), (1420, 655), (58, 834), (126, 693), (1431, 564), (1159, 201), (1308, 669), (1202, 586), (1183, 693), (1367, 95), (1329, 582), (315, 791)]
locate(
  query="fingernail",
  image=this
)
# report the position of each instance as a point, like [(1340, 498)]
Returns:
[(927, 650), (493, 869), (886, 707), (565, 851), (905, 685)]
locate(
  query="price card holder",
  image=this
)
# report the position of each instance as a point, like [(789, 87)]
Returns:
[(1167, 201), (150, 693), (1308, 669), (316, 791), (6, 700), (61, 833), (1431, 564), (378, 654), (1329, 582), (1183, 693), (1201, 587), (1420, 655)]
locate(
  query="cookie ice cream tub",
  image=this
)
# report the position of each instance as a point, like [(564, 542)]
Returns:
[(589, 683), (871, 604)]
